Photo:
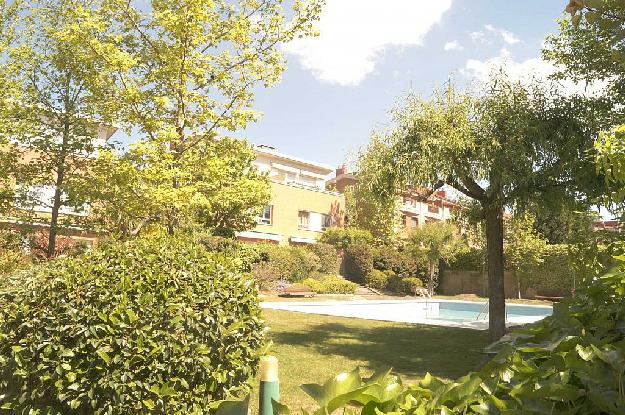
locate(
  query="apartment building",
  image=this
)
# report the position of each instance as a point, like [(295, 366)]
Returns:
[(300, 207), (413, 208)]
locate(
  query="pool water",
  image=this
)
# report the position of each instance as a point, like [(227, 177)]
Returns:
[(438, 312)]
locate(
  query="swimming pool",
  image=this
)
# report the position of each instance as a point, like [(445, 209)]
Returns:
[(451, 313)]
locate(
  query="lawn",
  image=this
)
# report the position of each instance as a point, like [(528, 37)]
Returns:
[(312, 348)]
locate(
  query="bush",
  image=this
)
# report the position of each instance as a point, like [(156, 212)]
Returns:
[(376, 279), (330, 284), (407, 285), (358, 263), (341, 238), (305, 263), (554, 276), (401, 263), (328, 257), (245, 254), (155, 325), (471, 259)]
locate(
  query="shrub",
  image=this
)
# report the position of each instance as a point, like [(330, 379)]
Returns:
[(358, 263), (154, 325), (305, 263), (245, 254), (378, 280), (341, 238), (554, 276), (407, 285), (328, 257), (400, 262), (330, 284), (471, 259)]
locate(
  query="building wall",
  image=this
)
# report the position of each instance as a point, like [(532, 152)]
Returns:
[(287, 200)]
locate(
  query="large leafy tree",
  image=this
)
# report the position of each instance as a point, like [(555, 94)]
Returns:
[(54, 116), (509, 145), (189, 77)]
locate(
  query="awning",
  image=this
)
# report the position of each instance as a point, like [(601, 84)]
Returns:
[(302, 240), (260, 235)]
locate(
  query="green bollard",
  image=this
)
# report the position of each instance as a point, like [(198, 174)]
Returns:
[(269, 384)]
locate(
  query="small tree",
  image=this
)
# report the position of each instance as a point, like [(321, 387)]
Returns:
[(54, 123), (524, 247), (439, 241)]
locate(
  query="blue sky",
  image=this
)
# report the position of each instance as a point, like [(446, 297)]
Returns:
[(340, 86)]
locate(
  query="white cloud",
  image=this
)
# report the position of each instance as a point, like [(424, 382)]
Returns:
[(507, 36), (453, 45), (525, 71), (478, 37), (354, 34)]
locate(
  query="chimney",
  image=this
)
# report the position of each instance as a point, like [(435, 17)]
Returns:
[(340, 170)]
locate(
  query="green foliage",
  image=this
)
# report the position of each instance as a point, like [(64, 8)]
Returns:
[(378, 280), (328, 257), (403, 263), (154, 325), (471, 259), (341, 238), (365, 208), (554, 275), (404, 285), (523, 246), (12, 255), (217, 188), (330, 284), (358, 262), (569, 363)]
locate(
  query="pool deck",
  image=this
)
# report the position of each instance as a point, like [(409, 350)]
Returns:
[(343, 309)]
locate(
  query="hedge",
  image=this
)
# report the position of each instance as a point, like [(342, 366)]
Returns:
[(328, 257), (358, 263), (402, 263), (330, 284), (342, 238), (554, 277), (376, 279), (154, 325)]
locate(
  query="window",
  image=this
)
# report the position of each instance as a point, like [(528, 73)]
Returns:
[(433, 208), (265, 217), (326, 221), (404, 220), (414, 222), (40, 198), (304, 219)]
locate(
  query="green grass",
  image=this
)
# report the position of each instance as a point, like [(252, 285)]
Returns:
[(312, 348)]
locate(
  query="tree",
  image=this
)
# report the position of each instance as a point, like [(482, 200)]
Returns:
[(509, 145), (439, 241), (365, 209), (190, 75), (524, 247), (218, 188), (54, 120)]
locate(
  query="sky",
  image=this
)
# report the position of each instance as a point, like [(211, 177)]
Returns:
[(340, 86)]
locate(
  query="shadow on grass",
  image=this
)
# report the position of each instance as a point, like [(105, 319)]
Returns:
[(412, 350)]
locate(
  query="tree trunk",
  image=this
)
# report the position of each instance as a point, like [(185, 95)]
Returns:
[(431, 279), (58, 192), (495, 260)]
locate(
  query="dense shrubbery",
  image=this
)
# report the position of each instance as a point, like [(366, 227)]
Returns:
[(570, 363), (471, 259), (330, 284), (378, 280), (155, 325), (270, 263), (402, 263), (342, 238), (358, 263), (328, 257), (554, 276)]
